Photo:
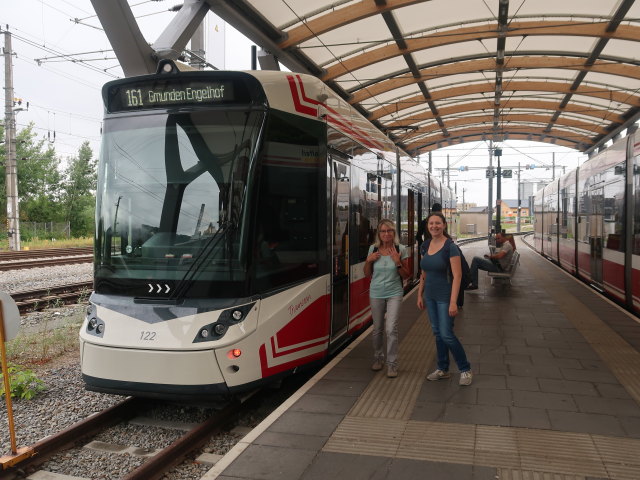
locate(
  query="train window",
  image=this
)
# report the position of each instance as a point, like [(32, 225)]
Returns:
[(171, 202), (365, 213), (290, 243), (614, 213), (636, 206)]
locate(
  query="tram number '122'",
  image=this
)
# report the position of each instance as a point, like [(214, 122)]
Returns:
[(147, 336), (134, 97)]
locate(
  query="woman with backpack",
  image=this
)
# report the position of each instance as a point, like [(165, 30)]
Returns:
[(440, 282), (387, 266)]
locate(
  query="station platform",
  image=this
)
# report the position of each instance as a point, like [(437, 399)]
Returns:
[(555, 395)]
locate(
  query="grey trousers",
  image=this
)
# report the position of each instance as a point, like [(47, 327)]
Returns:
[(389, 326)]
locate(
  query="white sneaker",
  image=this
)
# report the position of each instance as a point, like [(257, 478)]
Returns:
[(466, 378), (437, 375), (377, 366)]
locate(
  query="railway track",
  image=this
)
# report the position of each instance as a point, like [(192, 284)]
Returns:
[(79, 436), (45, 252), (34, 300), (45, 262)]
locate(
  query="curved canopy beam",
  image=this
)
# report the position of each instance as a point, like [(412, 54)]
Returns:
[(475, 33), (508, 120), (522, 86), (458, 67), (465, 137), (598, 114), (574, 140), (564, 72)]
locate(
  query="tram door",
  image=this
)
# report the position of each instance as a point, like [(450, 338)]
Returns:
[(596, 230), (411, 233), (340, 191)]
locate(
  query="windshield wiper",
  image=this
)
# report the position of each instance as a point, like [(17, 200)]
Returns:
[(212, 243)]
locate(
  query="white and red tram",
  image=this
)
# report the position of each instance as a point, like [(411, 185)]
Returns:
[(588, 221), (234, 213)]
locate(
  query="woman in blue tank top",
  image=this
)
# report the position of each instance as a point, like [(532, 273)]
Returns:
[(438, 291), (387, 266)]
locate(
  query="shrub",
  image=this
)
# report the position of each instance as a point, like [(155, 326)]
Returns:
[(24, 383)]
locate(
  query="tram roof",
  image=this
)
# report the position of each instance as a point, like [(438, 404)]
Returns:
[(432, 73)]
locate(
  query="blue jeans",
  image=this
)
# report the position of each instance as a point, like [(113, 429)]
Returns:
[(446, 340), (390, 325), (479, 263)]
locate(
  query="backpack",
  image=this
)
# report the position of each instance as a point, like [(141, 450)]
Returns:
[(466, 271)]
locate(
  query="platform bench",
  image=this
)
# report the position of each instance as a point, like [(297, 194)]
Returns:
[(511, 270)]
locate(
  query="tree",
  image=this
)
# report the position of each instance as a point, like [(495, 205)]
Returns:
[(38, 178), (79, 192)]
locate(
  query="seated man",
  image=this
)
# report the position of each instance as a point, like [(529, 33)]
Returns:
[(509, 239), (497, 262)]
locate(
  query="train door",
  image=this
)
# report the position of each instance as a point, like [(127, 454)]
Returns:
[(596, 230), (411, 232), (340, 191)]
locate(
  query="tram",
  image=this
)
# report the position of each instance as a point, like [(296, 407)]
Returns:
[(234, 213), (588, 221)]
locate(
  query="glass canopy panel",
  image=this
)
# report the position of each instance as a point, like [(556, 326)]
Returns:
[(539, 74), (437, 19), (602, 103), (350, 40), (622, 49), (549, 8), (393, 95), (448, 53), (428, 15), (614, 81), (396, 64), (292, 12), (554, 44)]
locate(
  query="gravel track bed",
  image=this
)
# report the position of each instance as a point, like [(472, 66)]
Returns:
[(43, 277), (65, 401)]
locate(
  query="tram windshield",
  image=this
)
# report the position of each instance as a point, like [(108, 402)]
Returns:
[(171, 201)]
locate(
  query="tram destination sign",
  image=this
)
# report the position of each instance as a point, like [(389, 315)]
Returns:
[(163, 93)]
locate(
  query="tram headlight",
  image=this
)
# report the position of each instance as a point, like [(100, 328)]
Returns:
[(95, 326), (227, 319)]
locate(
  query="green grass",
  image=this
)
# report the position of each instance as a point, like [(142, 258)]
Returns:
[(39, 345), (37, 243)]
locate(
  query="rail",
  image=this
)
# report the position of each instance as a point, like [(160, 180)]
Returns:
[(35, 300)]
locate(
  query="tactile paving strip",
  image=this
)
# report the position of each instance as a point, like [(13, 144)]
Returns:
[(396, 397), (563, 454), (378, 423), (622, 359)]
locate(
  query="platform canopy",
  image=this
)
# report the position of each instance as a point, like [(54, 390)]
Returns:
[(433, 73)]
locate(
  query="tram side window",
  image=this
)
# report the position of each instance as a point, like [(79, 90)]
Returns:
[(365, 207), (570, 211), (636, 207), (614, 211), (584, 207), (290, 240)]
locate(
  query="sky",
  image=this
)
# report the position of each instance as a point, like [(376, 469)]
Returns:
[(62, 58)]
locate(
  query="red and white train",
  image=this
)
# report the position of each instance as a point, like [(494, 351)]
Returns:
[(234, 213), (588, 221)]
